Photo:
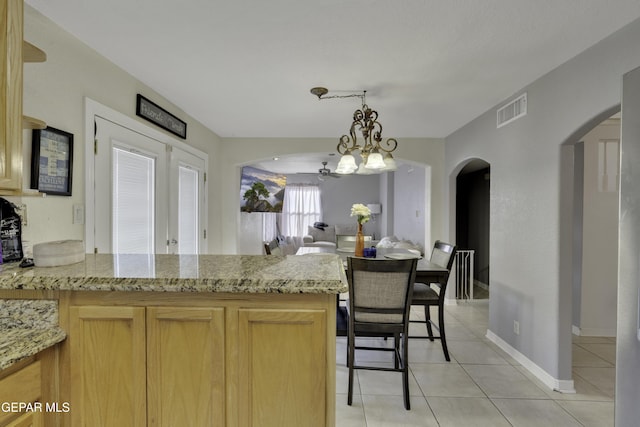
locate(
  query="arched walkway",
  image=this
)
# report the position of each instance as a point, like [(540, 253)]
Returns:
[(470, 190)]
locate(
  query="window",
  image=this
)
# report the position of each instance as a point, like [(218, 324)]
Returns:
[(301, 208), (133, 201), (188, 211)]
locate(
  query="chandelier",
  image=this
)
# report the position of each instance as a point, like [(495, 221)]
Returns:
[(374, 152)]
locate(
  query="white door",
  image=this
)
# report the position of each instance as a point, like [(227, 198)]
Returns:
[(131, 191), (187, 202)]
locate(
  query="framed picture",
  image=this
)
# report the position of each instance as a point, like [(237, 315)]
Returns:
[(157, 115), (52, 161), (261, 191)]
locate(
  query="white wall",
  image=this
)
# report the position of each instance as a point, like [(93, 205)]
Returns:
[(599, 241), (411, 215), (530, 258), (236, 152), (54, 91)]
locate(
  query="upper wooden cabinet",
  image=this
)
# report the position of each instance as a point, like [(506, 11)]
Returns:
[(30, 53), (14, 51), (11, 16)]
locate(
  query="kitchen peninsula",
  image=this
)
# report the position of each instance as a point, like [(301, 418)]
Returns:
[(228, 340)]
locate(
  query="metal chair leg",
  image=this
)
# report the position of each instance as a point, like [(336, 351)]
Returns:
[(443, 338), (405, 372), (427, 315), (350, 358)]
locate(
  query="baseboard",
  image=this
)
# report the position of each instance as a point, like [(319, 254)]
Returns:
[(450, 301), (562, 386), (593, 332)]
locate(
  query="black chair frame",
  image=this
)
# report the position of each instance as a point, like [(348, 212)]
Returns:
[(399, 331), (269, 247), (419, 291)]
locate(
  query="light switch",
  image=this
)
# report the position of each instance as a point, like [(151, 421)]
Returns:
[(78, 214)]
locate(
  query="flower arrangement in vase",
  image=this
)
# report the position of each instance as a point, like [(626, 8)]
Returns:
[(363, 214)]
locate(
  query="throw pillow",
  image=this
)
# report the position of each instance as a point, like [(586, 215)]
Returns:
[(326, 235)]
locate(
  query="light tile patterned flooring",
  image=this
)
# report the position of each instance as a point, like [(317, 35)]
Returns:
[(481, 386)]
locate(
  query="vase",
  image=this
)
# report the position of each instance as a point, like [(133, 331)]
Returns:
[(359, 242)]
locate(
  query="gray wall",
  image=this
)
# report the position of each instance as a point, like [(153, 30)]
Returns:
[(628, 348), (531, 232)]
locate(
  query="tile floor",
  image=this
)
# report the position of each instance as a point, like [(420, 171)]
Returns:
[(481, 386)]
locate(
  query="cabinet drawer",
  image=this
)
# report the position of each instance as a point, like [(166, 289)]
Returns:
[(22, 386)]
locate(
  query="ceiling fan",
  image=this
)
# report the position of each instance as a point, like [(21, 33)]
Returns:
[(326, 172)]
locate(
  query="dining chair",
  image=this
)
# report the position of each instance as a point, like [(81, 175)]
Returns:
[(379, 303), (272, 248), (425, 295)]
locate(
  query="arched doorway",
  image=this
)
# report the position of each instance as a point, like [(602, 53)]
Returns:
[(591, 220), (406, 198), (472, 230)]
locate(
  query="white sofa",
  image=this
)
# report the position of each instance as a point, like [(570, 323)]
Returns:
[(327, 237)]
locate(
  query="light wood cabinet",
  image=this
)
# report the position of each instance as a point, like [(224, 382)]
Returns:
[(157, 366), (14, 51), (108, 368), (30, 419), (204, 359), (11, 33), (22, 386), (185, 366), (282, 367)]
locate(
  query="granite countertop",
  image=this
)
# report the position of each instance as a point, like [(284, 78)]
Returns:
[(26, 328), (186, 273)]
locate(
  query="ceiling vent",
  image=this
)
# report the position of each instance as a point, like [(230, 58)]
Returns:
[(512, 111)]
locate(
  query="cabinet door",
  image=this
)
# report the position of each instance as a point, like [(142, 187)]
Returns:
[(185, 366), (11, 18), (282, 367), (108, 375), (30, 419)]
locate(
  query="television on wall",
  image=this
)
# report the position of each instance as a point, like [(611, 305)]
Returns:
[(261, 191)]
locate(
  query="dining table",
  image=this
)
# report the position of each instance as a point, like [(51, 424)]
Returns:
[(426, 272)]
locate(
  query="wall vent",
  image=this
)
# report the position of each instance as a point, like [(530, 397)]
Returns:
[(512, 111)]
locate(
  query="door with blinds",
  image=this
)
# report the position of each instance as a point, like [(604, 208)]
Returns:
[(187, 176), (149, 196)]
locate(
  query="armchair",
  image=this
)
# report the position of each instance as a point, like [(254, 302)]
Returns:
[(320, 238), (328, 236)]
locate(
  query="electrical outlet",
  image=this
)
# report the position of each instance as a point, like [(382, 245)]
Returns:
[(21, 209), (516, 327)]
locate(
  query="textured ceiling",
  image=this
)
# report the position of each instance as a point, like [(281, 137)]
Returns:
[(244, 68)]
